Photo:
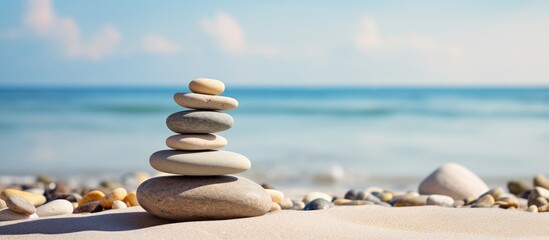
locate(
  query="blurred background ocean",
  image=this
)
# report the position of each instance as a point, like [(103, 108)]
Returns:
[(293, 136), (352, 93)]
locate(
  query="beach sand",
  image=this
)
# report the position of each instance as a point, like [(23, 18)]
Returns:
[(343, 222)]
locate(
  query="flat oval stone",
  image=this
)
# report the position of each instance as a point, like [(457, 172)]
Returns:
[(199, 163), (35, 199), (55, 208), (196, 121), (440, 200), (507, 203), (7, 214), (3, 204), (196, 141), (206, 102), (20, 205), (185, 198), (412, 201), (207, 86)]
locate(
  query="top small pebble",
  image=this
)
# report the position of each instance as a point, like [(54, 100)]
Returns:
[(207, 86)]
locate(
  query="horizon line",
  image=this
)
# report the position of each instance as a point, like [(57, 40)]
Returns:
[(281, 86)]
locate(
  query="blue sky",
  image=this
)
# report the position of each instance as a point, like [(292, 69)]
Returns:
[(306, 43)]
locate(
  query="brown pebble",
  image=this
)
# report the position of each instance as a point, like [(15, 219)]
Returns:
[(92, 196), (115, 194), (507, 202), (517, 187), (543, 208), (131, 199), (348, 202), (20, 205), (60, 188), (485, 201), (89, 207), (267, 186), (408, 201)]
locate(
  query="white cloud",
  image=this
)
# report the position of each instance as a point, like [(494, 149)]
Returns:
[(227, 32), (41, 19), (155, 44), (368, 36), (231, 39), (369, 39)]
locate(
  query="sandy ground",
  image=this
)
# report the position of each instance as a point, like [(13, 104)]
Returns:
[(345, 222)]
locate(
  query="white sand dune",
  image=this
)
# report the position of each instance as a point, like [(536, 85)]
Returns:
[(349, 222)]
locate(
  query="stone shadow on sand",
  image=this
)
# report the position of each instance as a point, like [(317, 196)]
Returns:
[(122, 221)]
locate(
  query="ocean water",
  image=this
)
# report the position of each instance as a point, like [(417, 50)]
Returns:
[(293, 136)]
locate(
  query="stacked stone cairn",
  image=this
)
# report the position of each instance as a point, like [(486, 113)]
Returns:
[(202, 188)]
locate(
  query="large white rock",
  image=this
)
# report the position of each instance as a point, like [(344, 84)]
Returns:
[(199, 163), (453, 180)]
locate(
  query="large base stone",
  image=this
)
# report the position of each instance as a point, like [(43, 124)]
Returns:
[(187, 198)]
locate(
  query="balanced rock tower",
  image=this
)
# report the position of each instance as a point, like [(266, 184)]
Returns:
[(201, 190)]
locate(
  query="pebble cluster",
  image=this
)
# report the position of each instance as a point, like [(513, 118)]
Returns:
[(224, 197), (202, 188), (451, 185), (45, 197)]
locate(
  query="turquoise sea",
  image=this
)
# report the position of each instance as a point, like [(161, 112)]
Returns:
[(292, 135)]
